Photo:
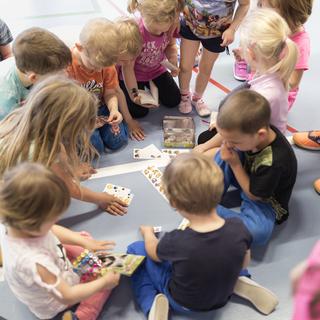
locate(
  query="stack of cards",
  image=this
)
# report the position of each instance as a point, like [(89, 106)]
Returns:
[(119, 192), (149, 152), (154, 175), (172, 153)]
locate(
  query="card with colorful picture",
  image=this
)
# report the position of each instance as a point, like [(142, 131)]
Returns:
[(149, 152), (154, 175), (172, 152), (119, 192)]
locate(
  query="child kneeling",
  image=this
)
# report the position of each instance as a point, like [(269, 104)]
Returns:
[(195, 269)]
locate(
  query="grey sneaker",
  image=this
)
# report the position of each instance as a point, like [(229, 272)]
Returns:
[(160, 308), (262, 298)]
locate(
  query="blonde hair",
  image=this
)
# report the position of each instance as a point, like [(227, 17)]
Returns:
[(58, 114), (100, 38), (266, 33), (130, 35), (30, 195), (295, 12), (193, 183), (40, 51), (157, 11)]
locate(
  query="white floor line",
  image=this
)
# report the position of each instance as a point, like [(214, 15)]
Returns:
[(129, 167)]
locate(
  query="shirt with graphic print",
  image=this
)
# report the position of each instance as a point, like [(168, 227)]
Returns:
[(95, 82), (21, 257), (209, 18), (148, 64), (272, 172)]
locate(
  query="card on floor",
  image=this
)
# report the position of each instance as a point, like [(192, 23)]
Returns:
[(149, 152), (154, 175), (172, 153)]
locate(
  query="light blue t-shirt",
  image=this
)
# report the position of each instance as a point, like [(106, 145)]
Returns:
[(12, 91)]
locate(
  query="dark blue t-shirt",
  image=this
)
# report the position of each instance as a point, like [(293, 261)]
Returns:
[(205, 266)]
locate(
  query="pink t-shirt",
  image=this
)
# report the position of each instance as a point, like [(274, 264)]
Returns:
[(271, 87), (148, 64), (308, 286), (20, 258), (302, 40)]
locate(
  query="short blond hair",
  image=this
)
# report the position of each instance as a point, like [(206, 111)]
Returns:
[(30, 195), (157, 11), (130, 35), (266, 33), (100, 38), (193, 183)]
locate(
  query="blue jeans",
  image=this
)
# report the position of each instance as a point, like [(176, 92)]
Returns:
[(150, 279), (258, 216), (104, 137)]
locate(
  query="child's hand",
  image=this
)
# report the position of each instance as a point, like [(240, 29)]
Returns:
[(136, 131), (111, 204), (229, 155), (227, 37), (145, 230), (200, 148), (174, 62), (100, 122), (115, 117), (84, 171), (98, 245), (112, 279)]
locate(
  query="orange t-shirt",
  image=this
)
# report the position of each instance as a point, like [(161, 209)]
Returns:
[(93, 81)]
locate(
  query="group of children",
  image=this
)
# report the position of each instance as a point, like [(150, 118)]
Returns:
[(62, 107)]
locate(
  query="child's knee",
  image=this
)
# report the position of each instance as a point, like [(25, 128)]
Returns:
[(138, 248)]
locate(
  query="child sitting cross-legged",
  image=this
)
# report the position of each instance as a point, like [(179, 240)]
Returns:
[(37, 269), (257, 159), (195, 269)]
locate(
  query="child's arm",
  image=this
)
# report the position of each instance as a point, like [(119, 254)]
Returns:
[(130, 81), (171, 53), (67, 236), (246, 259), (111, 100), (104, 200), (295, 78), (214, 142), (151, 242), (75, 294), (241, 11), (232, 158), (136, 131)]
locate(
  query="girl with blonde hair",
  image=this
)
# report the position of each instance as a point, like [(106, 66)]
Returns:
[(157, 22), (54, 128), (36, 266), (264, 39)]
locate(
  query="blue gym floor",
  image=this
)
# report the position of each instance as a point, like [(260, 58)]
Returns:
[(270, 265)]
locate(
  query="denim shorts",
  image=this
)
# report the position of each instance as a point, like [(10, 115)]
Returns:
[(212, 44)]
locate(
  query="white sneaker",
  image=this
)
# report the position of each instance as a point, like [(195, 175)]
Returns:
[(160, 308), (262, 298)]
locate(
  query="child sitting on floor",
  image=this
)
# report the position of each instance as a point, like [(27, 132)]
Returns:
[(257, 159), (195, 269), (93, 66), (36, 266), (37, 53), (157, 25)]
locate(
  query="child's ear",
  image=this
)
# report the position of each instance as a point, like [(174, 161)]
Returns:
[(262, 133), (32, 77), (79, 46)]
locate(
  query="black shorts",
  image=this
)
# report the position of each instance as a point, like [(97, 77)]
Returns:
[(212, 44)]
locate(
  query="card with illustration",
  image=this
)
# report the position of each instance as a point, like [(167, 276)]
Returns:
[(183, 224), (154, 175), (149, 152), (91, 265), (120, 192), (172, 153)]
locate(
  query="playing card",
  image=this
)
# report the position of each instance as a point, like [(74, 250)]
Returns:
[(154, 175), (184, 224), (149, 152), (157, 229), (172, 153), (120, 192)]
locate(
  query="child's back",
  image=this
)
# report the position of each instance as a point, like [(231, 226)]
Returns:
[(205, 265)]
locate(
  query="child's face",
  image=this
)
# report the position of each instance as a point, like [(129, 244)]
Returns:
[(156, 28), (239, 140)]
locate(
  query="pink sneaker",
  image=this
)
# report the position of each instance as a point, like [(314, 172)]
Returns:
[(240, 70), (201, 107), (185, 104)]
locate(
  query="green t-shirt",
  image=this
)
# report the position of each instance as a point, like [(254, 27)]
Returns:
[(12, 91)]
